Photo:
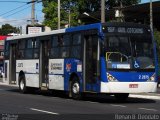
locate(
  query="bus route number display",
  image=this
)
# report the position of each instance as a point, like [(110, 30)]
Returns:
[(125, 30)]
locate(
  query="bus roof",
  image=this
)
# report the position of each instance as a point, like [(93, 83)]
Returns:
[(36, 35), (97, 26), (72, 29)]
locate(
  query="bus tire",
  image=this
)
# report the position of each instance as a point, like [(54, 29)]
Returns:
[(121, 97), (22, 85), (75, 88)]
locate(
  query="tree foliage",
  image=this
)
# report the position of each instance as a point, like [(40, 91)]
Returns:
[(76, 7), (7, 28)]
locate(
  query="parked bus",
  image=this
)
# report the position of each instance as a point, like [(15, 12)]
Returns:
[(114, 58)]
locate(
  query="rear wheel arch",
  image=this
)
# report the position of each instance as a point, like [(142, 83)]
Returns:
[(21, 74)]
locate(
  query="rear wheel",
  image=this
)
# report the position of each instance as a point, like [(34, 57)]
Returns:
[(22, 85), (121, 96), (75, 89)]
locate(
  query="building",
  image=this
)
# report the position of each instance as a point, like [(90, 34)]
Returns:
[(139, 13), (2, 39)]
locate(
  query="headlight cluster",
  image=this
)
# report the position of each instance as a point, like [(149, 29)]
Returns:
[(152, 78), (111, 78)]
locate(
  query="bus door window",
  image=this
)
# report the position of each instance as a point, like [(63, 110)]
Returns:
[(36, 49), (91, 58)]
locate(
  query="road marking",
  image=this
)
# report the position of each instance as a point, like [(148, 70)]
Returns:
[(148, 109), (44, 111), (118, 105)]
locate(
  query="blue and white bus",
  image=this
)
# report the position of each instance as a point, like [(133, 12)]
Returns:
[(114, 58)]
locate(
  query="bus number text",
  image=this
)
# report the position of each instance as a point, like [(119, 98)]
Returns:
[(20, 65), (143, 77)]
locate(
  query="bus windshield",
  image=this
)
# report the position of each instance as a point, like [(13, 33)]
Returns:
[(129, 51)]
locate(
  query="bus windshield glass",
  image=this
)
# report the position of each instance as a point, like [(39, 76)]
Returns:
[(129, 51)]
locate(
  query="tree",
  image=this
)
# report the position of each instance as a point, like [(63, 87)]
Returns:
[(7, 28), (76, 7)]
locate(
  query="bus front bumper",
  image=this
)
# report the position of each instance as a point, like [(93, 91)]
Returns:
[(128, 87)]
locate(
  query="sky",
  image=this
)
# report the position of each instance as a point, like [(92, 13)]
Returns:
[(17, 13)]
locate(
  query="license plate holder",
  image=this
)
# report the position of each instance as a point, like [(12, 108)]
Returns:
[(133, 85)]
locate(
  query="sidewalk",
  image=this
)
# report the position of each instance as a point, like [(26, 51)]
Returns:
[(5, 83), (154, 96)]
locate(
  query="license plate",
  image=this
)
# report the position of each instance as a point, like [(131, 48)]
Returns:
[(133, 85)]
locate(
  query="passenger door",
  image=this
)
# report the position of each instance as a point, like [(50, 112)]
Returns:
[(44, 60), (91, 58), (12, 64)]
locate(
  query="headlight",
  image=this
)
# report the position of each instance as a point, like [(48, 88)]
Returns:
[(111, 78)]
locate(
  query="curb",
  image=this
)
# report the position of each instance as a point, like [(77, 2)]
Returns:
[(145, 96)]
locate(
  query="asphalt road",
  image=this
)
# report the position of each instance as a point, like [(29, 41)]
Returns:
[(44, 105)]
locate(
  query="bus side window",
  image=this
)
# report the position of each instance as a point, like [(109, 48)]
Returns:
[(21, 54), (66, 45), (54, 51), (60, 40), (20, 49), (76, 46)]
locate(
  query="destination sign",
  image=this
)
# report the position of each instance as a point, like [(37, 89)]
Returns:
[(128, 30)]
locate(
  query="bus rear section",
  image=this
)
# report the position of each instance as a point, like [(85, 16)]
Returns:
[(129, 62)]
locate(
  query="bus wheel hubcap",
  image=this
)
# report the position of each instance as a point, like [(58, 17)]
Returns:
[(75, 88), (22, 85)]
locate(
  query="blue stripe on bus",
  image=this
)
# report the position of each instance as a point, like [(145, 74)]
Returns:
[(97, 26), (103, 70), (131, 76)]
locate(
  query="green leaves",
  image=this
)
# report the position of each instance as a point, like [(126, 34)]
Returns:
[(7, 28)]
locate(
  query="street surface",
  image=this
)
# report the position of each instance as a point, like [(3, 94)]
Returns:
[(46, 106)]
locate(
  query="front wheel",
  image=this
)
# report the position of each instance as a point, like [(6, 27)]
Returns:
[(75, 89)]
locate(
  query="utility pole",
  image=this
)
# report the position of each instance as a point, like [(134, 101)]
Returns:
[(121, 13), (69, 19), (102, 11), (33, 13), (59, 19), (151, 16)]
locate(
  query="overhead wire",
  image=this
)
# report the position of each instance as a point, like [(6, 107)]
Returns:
[(26, 3), (13, 1), (17, 11), (12, 10), (3, 14), (15, 20)]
